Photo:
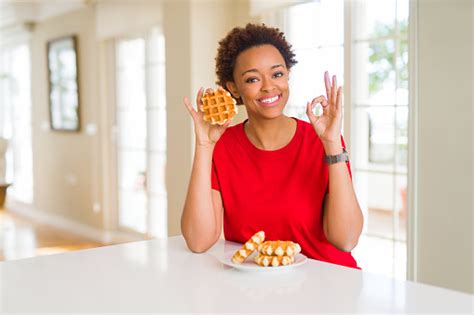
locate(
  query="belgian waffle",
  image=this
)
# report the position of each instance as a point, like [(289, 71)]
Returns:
[(248, 248), (218, 106), (274, 261), (279, 248)]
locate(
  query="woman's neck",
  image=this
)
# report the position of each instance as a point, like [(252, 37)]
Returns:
[(270, 134)]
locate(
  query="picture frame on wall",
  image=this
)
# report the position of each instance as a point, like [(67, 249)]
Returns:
[(63, 78)]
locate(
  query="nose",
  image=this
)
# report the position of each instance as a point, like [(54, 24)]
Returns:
[(267, 85)]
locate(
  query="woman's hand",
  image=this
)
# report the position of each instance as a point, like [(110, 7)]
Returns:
[(328, 125), (206, 134)]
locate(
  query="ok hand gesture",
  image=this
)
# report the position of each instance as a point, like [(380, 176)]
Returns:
[(328, 125)]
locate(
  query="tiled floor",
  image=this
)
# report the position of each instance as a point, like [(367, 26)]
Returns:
[(22, 238)]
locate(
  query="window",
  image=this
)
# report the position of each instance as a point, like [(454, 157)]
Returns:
[(317, 47), (141, 125), (15, 120), (380, 130), (376, 45)]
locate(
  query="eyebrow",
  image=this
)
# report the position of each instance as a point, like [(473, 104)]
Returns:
[(255, 70)]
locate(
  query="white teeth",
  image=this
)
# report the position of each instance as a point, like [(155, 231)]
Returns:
[(270, 100)]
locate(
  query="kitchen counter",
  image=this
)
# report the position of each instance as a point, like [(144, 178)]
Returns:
[(164, 276)]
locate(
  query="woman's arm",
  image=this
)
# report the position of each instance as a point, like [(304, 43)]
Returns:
[(342, 220), (201, 222)]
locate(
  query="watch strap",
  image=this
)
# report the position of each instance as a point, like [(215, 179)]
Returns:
[(333, 159)]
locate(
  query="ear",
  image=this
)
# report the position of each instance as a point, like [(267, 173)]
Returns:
[(232, 88)]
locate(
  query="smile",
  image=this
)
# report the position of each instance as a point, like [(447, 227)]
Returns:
[(269, 101)]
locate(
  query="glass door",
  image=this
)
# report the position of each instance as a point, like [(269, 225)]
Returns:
[(380, 131), (141, 133), (15, 122)]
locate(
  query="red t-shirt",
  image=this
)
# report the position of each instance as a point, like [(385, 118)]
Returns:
[(280, 192)]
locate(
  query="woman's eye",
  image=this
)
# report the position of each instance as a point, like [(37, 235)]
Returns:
[(251, 80), (278, 75)]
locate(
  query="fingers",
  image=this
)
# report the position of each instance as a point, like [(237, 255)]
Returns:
[(325, 103), (310, 106), (189, 107), (194, 112), (339, 98), (333, 92), (318, 99), (328, 85), (321, 100), (309, 112), (199, 97)]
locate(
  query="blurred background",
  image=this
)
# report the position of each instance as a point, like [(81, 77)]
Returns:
[(96, 146)]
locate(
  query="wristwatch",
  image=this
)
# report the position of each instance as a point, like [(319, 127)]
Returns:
[(332, 159)]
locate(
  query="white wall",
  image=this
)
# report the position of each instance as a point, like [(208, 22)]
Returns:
[(65, 164), (177, 28), (444, 168)]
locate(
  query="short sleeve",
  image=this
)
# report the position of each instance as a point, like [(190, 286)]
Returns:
[(214, 179)]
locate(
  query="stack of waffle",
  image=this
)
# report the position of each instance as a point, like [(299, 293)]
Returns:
[(270, 253), (277, 253)]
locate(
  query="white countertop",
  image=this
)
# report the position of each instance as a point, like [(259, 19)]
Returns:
[(164, 276)]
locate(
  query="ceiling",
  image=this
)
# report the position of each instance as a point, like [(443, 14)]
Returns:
[(15, 12)]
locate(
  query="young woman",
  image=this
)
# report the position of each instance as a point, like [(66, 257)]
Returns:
[(274, 173)]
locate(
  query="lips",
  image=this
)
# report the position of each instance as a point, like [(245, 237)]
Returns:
[(269, 101)]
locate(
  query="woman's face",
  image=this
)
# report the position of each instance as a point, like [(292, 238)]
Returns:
[(261, 80)]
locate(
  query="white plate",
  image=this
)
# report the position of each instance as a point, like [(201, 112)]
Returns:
[(250, 265)]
